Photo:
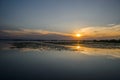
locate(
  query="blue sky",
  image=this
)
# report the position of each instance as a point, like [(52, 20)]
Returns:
[(58, 15)]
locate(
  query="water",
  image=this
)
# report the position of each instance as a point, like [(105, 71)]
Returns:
[(46, 61)]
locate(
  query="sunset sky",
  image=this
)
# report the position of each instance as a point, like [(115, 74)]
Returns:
[(59, 19)]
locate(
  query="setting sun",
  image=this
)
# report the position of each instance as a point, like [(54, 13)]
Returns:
[(78, 35)]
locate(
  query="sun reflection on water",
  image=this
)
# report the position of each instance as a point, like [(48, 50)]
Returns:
[(87, 49), (77, 47)]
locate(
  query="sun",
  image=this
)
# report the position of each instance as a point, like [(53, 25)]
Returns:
[(78, 35)]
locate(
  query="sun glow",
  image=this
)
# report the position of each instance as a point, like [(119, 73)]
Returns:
[(78, 35)]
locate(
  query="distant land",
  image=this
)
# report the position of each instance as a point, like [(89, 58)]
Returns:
[(107, 40)]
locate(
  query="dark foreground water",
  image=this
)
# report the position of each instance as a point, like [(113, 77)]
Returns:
[(44, 61)]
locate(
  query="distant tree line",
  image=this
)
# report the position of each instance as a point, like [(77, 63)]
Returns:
[(110, 40)]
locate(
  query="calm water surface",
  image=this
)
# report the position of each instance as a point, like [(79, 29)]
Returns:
[(45, 61)]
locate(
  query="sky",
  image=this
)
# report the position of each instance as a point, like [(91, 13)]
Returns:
[(59, 19)]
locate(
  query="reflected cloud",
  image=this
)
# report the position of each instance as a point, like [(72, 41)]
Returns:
[(87, 49), (100, 51), (109, 50)]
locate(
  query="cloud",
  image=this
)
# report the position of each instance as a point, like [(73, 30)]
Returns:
[(33, 34), (101, 32), (90, 32)]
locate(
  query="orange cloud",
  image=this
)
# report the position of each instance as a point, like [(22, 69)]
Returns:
[(95, 32), (112, 31), (34, 33)]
